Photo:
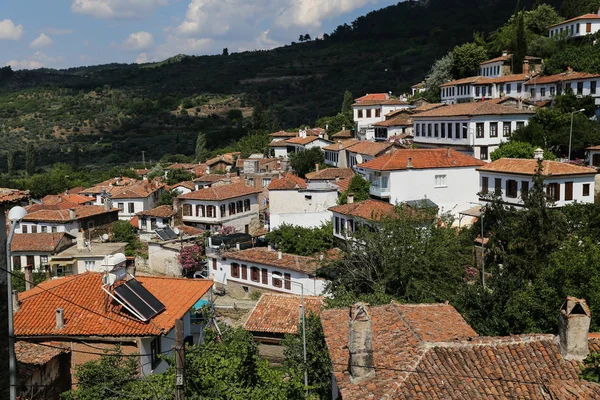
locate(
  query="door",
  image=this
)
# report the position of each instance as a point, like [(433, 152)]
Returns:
[(596, 160), (246, 229), (30, 261)]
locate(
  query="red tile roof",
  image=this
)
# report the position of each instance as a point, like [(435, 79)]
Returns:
[(287, 181), (261, 255), (472, 109), (529, 167), (12, 195), (389, 102), (225, 158), (284, 134), (211, 178), (373, 96), (369, 148), (135, 222), (84, 303), (371, 210), (584, 16), (344, 143), (125, 188), (181, 166), (330, 174), (421, 159), (399, 120), (36, 354), (278, 143), (62, 215), (344, 133), (186, 184), (562, 77), (160, 212), (190, 230), (593, 148), (38, 242), (427, 107), (67, 198), (343, 184), (279, 313), (221, 192), (302, 140), (463, 81), (508, 57)]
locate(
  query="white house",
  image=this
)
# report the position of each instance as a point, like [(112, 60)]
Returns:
[(261, 268), (583, 25), (42, 219), (546, 88), (511, 178), (398, 125), (335, 155), (503, 65), (283, 148), (183, 187), (223, 205), (368, 112), (323, 178), (364, 151), (418, 88), (157, 218), (36, 249), (478, 88), (292, 201), (476, 129), (446, 177), (351, 217), (593, 156)]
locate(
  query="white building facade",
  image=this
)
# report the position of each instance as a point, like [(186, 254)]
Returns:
[(583, 25)]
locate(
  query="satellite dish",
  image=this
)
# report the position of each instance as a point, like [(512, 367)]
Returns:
[(105, 237), (176, 230), (359, 159)]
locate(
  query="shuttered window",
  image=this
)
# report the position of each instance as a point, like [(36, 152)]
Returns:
[(287, 281), (568, 190)]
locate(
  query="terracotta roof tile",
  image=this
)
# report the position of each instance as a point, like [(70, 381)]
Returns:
[(344, 143), (67, 198), (135, 222), (62, 215), (421, 159), (472, 109), (593, 148), (262, 255), (42, 242), (343, 184), (221, 192), (190, 230), (562, 77), (388, 102), (211, 178), (427, 107), (225, 158), (463, 81), (278, 143), (284, 134), (125, 188), (279, 313), (507, 57), (160, 211), (84, 303), (584, 16), (186, 184), (529, 167), (330, 174), (344, 133), (373, 96), (12, 195), (399, 120), (372, 210), (287, 181), (36, 354), (302, 140), (369, 148), (181, 166)]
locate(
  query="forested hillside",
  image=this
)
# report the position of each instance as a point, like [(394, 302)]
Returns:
[(111, 113)]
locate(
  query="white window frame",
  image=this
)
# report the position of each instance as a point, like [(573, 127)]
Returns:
[(440, 181)]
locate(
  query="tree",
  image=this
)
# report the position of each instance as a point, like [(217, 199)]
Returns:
[(259, 119), (303, 162), (225, 52), (307, 37), (440, 73), (10, 161), (167, 198), (252, 144), (156, 171), (124, 232), (516, 149), (29, 159), (191, 259), (347, 103), (520, 45), (201, 153), (317, 356), (591, 368), (301, 38), (466, 60), (359, 187), (179, 175), (18, 279), (300, 240), (76, 150)]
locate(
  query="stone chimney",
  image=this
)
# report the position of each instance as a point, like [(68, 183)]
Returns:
[(350, 198), (340, 146), (28, 277), (504, 53), (317, 167), (573, 329), (360, 343), (60, 319), (269, 248), (409, 162), (15, 301), (80, 240), (72, 214), (526, 67), (279, 255), (538, 154), (448, 152)]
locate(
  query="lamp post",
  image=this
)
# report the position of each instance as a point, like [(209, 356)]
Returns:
[(571, 130), (15, 215)]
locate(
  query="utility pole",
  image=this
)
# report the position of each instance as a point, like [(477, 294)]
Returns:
[(144, 158), (179, 360)]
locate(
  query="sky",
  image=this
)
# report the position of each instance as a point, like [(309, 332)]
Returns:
[(69, 33)]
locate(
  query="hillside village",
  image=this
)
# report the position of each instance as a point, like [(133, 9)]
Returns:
[(426, 248)]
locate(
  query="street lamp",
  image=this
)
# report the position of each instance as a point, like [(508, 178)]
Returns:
[(15, 215), (571, 131)]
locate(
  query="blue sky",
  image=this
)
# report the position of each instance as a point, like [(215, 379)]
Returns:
[(67, 33)]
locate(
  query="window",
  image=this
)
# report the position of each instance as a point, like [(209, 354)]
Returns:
[(579, 87), (506, 129), (360, 113), (214, 263), (235, 270), (211, 211), (343, 226), (450, 131), (265, 276), (231, 208), (155, 350), (89, 265), (54, 229), (457, 130), (524, 189), (351, 225), (121, 206), (519, 87), (443, 130), (429, 130), (465, 130), (131, 208), (378, 112), (543, 92), (501, 88), (276, 279), (244, 271), (593, 87), (553, 191), (532, 93), (440, 181), (577, 27), (266, 182), (552, 91), (16, 263), (418, 130), (187, 210), (484, 184), (479, 130), (308, 197), (493, 129), (484, 91), (511, 188), (24, 228), (337, 225), (477, 91), (200, 210), (435, 130), (588, 27), (44, 229), (34, 229), (483, 153), (43, 260), (520, 124), (369, 113), (498, 186), (586, 189), (30, 261), (240, 206), (64, 270), (508, 88), (223, 210), (287, 281), (247, 205), (568, 190), (254, 274)]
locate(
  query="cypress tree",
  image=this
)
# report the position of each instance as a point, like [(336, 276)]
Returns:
[(520, 47), (30, 159), (347, 104), (201, 152)]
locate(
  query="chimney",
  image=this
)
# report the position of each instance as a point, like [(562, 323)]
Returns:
[(317, 167), (269, 248), (350, 198), (504, 53), (573, 328), (48, 272), (526, 67), (279, 255), (60, 319), (72, 214), (80, 240), (409, 162), (343, 127), (28, 277), (538, 154), (569, 70), (228, 178), (361, 343), (448, 152), (340, 146), (15, 300)]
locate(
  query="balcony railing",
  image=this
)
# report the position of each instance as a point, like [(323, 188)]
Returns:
[(379, 186)]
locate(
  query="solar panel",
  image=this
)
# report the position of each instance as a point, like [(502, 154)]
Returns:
[(162, 234), (170, 233), (137, 297)]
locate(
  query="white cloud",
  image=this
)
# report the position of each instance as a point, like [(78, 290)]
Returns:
[(262, 42), (310, 13), (41, 41), (25, 64), (114, 9), (58, 31), (138, 41), (10, 31), (142, 58)]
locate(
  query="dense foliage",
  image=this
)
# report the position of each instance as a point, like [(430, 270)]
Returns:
[(191, 258), (516, 149), (359, 187), (123, 231), (303, 162), (301, 241)]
